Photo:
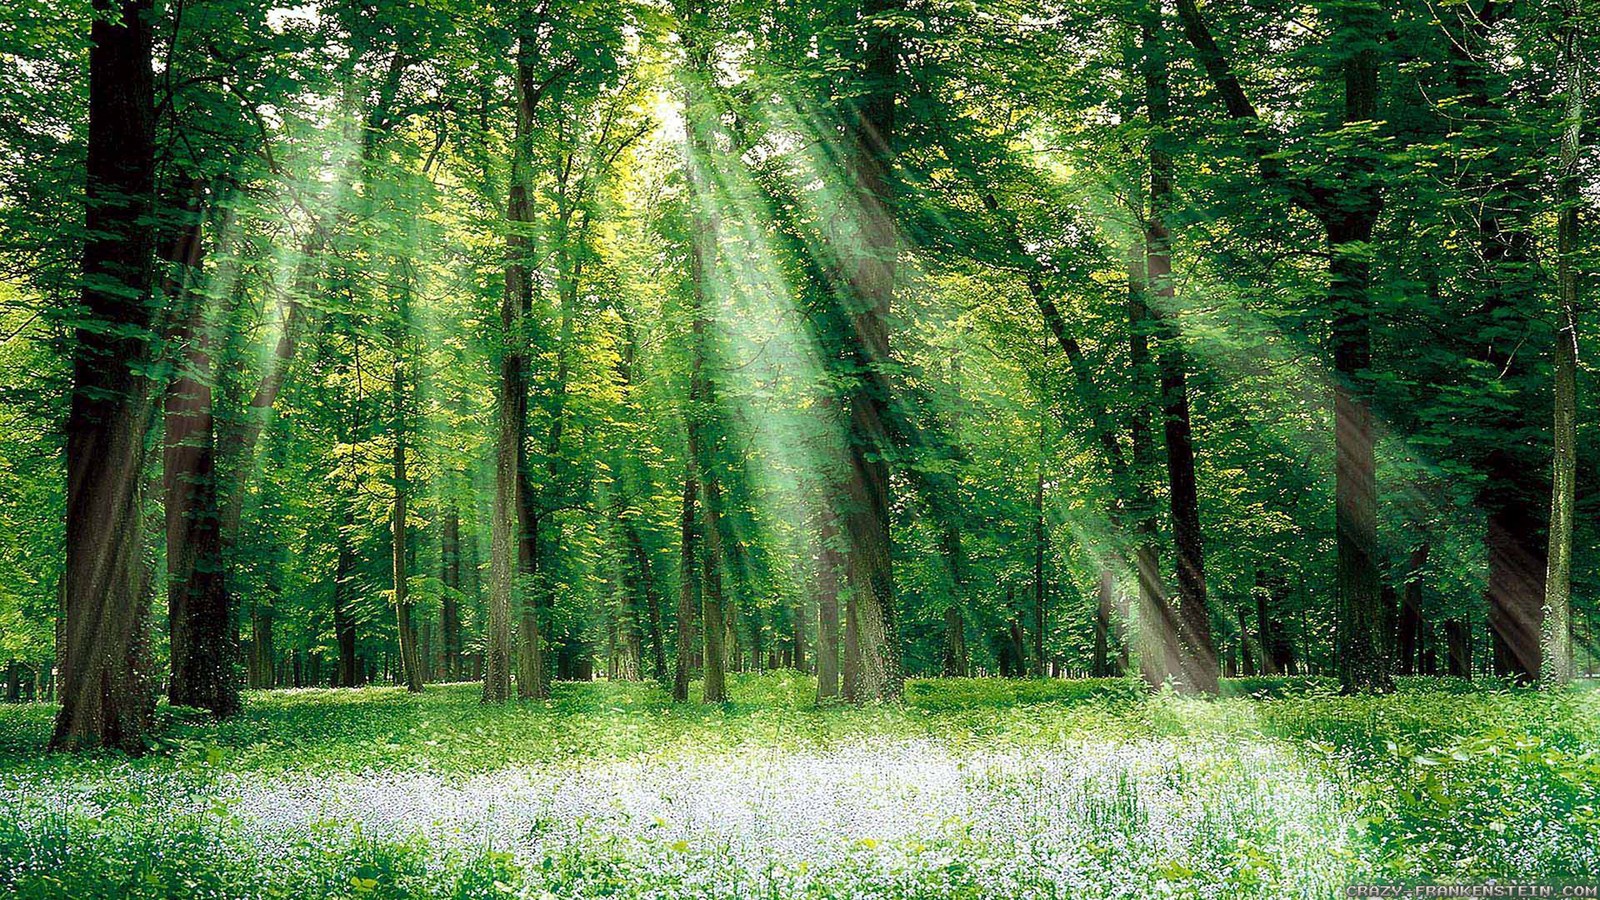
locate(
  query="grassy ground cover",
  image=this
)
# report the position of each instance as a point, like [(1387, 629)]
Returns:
[(970, 789)]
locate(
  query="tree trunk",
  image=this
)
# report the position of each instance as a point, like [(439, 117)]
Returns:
[(1039, 590), (450, 602), (261, 645), (1276, 648), (104, 653), (1458, 643), (1516, 545), (1556, 633), (704, 258), (1247, 660), (504, 526), (1267, 632), (956, 664), (1408, 636), (850, 656), (1019, 648), (732, 649), (204, 641), (652, 600), (1104, 601), (828, 567), (1347, 209), (687, 590), (1349, 226), (405, 615), (1198, 657), (1513, 489), (344, 625), (713, 686), (1158, 628), (1158, 634), (511, 525), (869, 266), (797, 641)]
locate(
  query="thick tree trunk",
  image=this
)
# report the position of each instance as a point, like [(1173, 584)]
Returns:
[(1556, 634), (1349, 221), (1157, 636), (956, 664), (1514, 489), (850, 653), (1268, 632), (1019, 648), (797, 636), (204, 640), (702, 412), (510, 528), (687, 590), (425, 645), (504, 525), (1158, 627), (104, 652), (1516, 545), (869, 266)]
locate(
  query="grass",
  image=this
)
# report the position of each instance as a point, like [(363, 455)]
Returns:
[(969, 789)]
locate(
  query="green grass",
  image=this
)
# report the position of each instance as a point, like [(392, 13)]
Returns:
[(969, 789)]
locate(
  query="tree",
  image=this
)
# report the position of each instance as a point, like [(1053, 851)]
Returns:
[(1347, 209), (704, 262), (869, 261), (1198, 656), (199, 611), (1556, 637), (103, 654)]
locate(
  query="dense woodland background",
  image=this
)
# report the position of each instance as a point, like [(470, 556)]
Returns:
[(352, 342)]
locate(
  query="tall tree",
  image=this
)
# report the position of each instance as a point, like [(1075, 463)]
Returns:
[(704, 263), (103, 655), (1198, 656), (1556, 667), (510, 525), (1347, 206), (200, 616), (869, 264), (411, 660)]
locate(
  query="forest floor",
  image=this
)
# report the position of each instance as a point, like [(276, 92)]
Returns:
[(970, 789)]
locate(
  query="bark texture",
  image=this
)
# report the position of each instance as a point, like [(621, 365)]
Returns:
[(104, 649)]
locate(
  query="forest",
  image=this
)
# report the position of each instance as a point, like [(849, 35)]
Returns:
[(855, 448)]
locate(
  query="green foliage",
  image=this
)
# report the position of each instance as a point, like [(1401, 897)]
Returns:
[(1458, 783)]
